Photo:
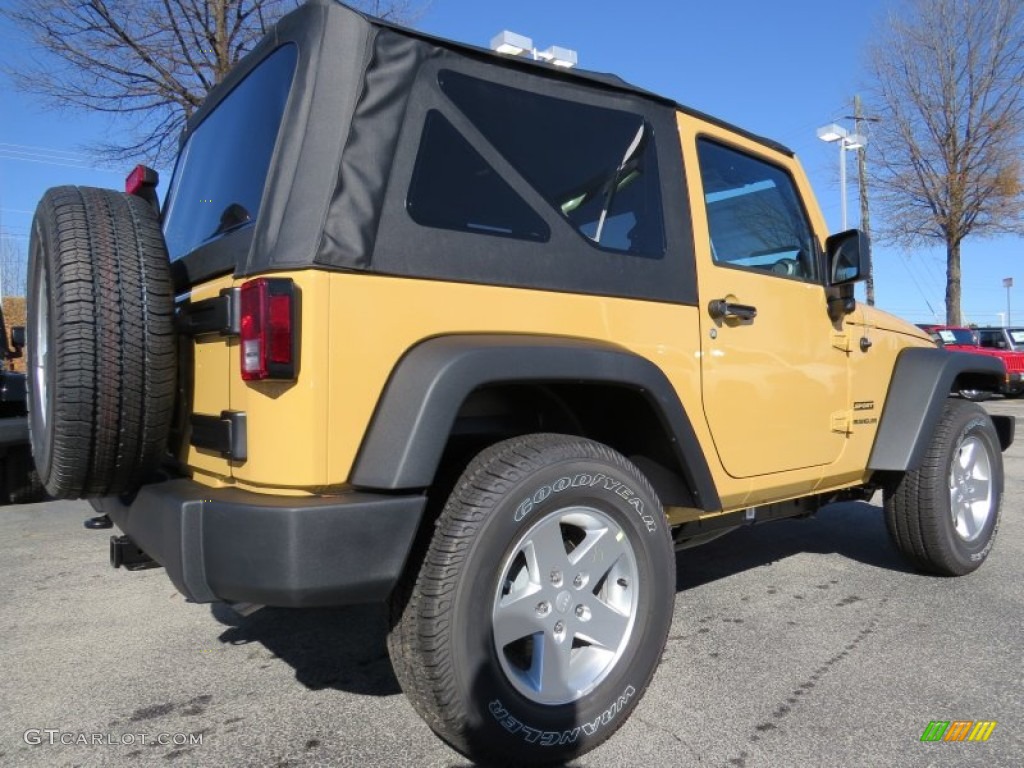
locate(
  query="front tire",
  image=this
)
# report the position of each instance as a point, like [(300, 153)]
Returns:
[(543, 604), (944, 515)]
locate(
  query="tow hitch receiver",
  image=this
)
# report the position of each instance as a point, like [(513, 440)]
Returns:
[(124, 551)]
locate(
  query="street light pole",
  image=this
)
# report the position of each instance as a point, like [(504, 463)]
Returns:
[(842, 182), (846, 141), (859, 118), (1008, 284)]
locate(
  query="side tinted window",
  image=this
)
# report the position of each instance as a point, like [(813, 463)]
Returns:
[(221, 171), (755, 218), (596, 167), (453, 187)]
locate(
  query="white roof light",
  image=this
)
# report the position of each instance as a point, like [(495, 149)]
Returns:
[(511, 44), (855, 141), (560, 57), (832, 132)]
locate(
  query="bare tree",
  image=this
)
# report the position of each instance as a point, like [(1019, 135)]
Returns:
[(949, 87), (12, 267), (150, 60)]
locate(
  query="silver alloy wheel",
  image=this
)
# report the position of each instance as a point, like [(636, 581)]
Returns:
[(970, 488), (565, 605), (42, 347)]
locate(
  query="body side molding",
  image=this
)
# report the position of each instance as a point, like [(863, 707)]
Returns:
[(414, 416), (921, 382)]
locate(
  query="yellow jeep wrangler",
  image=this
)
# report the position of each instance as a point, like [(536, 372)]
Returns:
[(489, 339)]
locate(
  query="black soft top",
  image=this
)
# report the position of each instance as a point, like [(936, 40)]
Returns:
[(359, 81), (605, 80)]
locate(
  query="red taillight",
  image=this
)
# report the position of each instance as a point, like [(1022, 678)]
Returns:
[(267, 329), (141, 181)]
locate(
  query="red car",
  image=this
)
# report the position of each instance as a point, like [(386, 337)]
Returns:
[(959, 339)]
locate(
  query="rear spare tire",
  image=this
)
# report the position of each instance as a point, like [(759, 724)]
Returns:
[(101, 344)]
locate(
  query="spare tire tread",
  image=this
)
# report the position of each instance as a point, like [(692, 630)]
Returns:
[(71, 287), (108, 328), (161, 349), (112, 341)]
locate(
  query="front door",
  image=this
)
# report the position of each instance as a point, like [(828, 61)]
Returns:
[(774, 373)]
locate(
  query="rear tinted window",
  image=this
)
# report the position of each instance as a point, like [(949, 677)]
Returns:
[(453, 187), (597, 167), (221, 171)]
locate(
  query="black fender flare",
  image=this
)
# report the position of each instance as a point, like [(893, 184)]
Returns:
[(409, 430), (922, 380)]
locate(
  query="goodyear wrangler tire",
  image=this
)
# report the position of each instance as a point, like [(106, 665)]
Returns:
[(101, 354), (543, 603), (944, 515)]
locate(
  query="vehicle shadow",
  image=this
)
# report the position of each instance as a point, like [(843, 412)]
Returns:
[(340, 648), (855, 530), (345, 648)]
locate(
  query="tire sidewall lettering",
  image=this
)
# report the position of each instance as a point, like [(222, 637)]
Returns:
[(564, 730), (607, 486), (566, 736), (977, 557)]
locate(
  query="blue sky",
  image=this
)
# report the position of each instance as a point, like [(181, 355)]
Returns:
[(780, 69)]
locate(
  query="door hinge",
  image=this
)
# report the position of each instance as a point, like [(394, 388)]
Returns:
[(842, 341), (219, 314), (227, 435), (842, 422)]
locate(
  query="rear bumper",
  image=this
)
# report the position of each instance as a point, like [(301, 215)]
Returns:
[(237, 546)]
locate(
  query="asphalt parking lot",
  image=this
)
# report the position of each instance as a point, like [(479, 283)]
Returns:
[(800, 643)]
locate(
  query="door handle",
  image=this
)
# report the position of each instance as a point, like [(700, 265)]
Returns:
[(720, 309)]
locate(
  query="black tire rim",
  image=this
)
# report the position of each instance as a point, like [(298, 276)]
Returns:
[(566, 604)]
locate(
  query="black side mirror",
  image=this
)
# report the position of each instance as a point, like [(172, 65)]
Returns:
[(848, 257)]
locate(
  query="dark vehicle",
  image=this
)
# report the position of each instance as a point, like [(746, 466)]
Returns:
[(19, 483)]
